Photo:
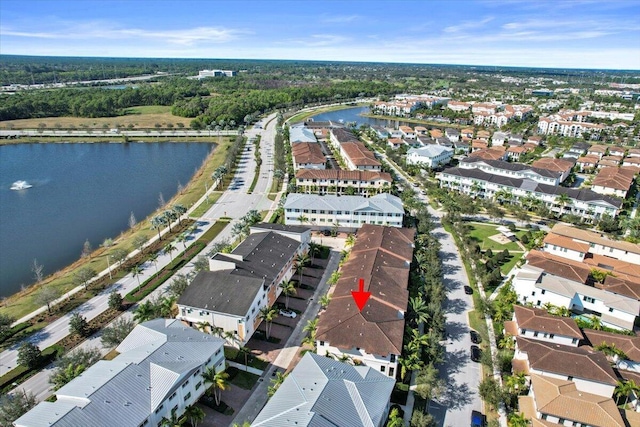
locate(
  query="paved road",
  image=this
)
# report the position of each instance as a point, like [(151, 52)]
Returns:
[(258, 398), (461, 375), (235, 203)]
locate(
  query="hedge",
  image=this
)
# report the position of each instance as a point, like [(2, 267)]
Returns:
[(14, 330), (21, 373)]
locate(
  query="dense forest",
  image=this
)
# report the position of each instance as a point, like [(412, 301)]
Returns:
[(259, 86)]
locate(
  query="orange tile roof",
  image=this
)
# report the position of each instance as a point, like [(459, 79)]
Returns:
[(307, 152), (629, 344), (359, 154), (557, 165), (339, 174), (593, 237), (536, 319), (566, 242), (616, 178)]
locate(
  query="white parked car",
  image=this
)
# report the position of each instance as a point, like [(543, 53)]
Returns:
[(288, 313)]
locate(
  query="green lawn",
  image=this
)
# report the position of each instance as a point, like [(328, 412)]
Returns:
[(515, 257), (204, 206), (245, 380), (148, 109), (482, 232)]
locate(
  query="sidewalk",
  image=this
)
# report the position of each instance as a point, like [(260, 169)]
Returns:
[(259, 396)]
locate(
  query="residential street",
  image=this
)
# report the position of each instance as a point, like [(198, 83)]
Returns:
[(236, 202), (460, 374)]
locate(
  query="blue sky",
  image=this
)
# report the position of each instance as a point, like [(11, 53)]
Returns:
[(560, 33)]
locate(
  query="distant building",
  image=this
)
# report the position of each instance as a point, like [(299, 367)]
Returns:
[(337, 181), (157, 373), (216, 73)]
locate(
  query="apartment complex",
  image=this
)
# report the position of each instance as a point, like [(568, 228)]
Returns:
[(337, 181)]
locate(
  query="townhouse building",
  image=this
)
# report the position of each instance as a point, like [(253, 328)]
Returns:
[(588, 370), (337, 181), (407, 132), (157, 374), (582, 202), (346, 213), (512, 170), (537, 324), (535, 286), (239, 284), (381, 257), (616, 181), (564, 166), (307, 155), (358, 395), (359, 157)]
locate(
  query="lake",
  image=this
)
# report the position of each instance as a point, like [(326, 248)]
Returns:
[(353, 115), (80, 192)]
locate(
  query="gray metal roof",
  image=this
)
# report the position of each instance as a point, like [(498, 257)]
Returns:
[(301, 134), (323, 392), (429, 150), (124, 391), (383, 202), (260, 258)]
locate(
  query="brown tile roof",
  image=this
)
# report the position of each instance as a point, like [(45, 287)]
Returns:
[(622, 286), (592, 160), (621, 269), (536, 319), (604, 163), (629, 344), (556, 165), (381, 256), (527, 406), (598, 149), (483, 134), (511, 328), (339, 174), (562, 399), (359, 154), (633, 151), (616, 178), (590, 236), (566, 242), (558, 266), (519, 365), (488, 154), (307, 152), (435, 133), (521, 149), (577, 362), (632, 160)]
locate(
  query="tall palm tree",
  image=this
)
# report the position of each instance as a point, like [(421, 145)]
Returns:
[(562, 200), (311, 327), (182, 238), (302, 260), (166, 307), (268, 314), (516, 383), (625, 388), (230, 336), (246, 352), (154, 259), (202, 326), (179, 210), (217, 331), (194, 415), (218, 380), (169, 216), (168, 249), (596, 322), (288, 288), (157, 222), (173, 421), (408, 363), (136, 271), (314, 249), (302, 219)]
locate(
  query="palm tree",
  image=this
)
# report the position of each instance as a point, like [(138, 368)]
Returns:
[(350, 240), (194, 415), (314, 249), (268, 314), (154, 259), (275, 383), (625, 388), (202, 326), (311, 327), (179, 210), (157, 222), (218, 380), (246, 352), (507, 342), (324, 301), (168, 249), (166, 307), (288, 288), (217, 331), (562, 200), (302, 219), (174, 421), (230, 336), (169, 217), (182, 238), (596, 323), (136, 271), (145, 311), (419, 310), (409, 363), (302, 260), (516, 383), (518, 420)]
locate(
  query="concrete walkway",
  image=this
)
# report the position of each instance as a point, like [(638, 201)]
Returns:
[(259, 397)]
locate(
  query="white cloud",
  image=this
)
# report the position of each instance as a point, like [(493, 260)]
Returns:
[(102, 30), (467, 25), (339, 19)]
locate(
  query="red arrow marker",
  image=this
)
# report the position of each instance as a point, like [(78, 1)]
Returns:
[(360, 297)]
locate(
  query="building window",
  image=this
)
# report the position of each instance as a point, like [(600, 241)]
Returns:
[(383, 368), (543, 291), (551, 336), (393, 358), (159, 408), (391, 371), (172, 396), (535, 334), (174, 409), (198, 385), (185, 384), (187, 397), (588, 299), (322, 343), (610, 309)]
